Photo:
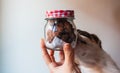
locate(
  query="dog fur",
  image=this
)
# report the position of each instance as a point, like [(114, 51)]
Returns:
[(90, 56)]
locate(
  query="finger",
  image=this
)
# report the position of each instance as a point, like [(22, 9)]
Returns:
[(61, 55), (52, 55), (45, 53), (69, 53)]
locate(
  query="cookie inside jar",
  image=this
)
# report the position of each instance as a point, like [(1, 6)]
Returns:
[(60, 29)]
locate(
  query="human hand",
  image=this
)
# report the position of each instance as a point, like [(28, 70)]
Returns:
[(66, 63)]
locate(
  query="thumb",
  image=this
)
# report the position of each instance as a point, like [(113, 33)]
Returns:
[(69, 53)]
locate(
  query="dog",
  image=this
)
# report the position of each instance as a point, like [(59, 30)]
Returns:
[(91, 57)]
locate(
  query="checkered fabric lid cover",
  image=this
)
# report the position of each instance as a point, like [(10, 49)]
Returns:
[(59, 14)]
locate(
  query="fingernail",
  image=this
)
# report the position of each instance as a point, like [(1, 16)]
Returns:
[(66, 44)]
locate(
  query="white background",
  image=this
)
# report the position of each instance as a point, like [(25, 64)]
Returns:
[(23, 23)]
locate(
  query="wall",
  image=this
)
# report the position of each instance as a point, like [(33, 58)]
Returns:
[(0, 40), (23, 23)]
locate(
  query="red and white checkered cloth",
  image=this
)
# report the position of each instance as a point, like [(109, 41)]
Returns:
[(60, 14)]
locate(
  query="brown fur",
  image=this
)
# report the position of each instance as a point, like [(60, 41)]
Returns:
[(90, 56)]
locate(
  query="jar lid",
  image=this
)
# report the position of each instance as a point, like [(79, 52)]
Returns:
[(59, 14)]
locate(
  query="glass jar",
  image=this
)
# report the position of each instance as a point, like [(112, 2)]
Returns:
[(60, 29)]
